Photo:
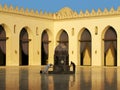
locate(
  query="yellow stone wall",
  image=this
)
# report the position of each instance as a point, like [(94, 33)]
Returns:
[(13, 20), (97, 43)]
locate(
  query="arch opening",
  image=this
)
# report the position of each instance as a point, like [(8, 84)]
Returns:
[(24, 44), (44, 48), (64, 38), (110, 47), (85, 48), (2, 46)]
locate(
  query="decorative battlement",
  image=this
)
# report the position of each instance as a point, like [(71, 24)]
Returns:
[(64, 13), (25, 12), (67, 13)]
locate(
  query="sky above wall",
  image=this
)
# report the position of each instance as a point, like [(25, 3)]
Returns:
[(55, 5)]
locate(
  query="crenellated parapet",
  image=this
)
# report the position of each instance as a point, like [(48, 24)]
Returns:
[(67, 13), (25, 12), (64, 13)]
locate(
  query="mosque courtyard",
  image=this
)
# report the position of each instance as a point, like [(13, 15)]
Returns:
[(85, 78)]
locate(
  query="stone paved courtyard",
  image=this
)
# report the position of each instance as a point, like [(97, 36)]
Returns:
[(85, 78)]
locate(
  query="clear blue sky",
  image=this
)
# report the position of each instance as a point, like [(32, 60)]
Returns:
[(56, 5)]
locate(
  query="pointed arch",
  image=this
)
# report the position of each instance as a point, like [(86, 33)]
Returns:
[(2, 46), (85, 47), (44, 47), (6, 39), (62, 37), (24, 47), (63, 41), (109, 36)]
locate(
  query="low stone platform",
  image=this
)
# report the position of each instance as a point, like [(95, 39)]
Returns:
[(61, 69), (68, 72)]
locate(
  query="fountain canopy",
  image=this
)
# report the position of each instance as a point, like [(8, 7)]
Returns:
[(61, 60)]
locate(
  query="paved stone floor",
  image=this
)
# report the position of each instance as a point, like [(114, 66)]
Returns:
[(85, 78)]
